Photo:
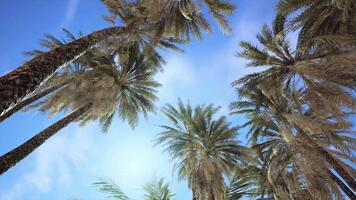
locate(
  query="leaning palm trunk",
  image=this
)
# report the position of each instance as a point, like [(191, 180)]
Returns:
[(16, 155), (342, 186), (21, 82), (30, 100), (331, 160), (194, 196)]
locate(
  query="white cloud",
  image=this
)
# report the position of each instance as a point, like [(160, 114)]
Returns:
[(70, 12), (52, 162), (247, 29), (178, 74)]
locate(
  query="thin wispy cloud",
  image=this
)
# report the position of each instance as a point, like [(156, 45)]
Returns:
[(70, 12), (52, 164), (177, 76)]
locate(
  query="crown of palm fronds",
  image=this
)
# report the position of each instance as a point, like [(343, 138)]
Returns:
[(204, 148), (327, 31), (320, 17), (158, 190), (128, 90), (264, 106), (322, 79), (274, 52), (170, 18)]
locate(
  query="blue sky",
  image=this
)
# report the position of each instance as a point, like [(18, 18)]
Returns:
[(66, 166)]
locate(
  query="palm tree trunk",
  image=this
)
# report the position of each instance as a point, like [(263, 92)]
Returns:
[(30, 100), (21, 82), (194, 196), (342, 186), (331, 160), (11, 158)]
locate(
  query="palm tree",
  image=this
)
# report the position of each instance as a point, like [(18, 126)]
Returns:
[(156, 190), (128, 90), (285, 146), (204, 148), (148, 17)]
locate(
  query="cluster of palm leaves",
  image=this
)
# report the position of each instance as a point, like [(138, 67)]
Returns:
[(155, 190), (203, 147)]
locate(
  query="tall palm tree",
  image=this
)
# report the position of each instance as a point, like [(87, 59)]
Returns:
[(147, 16), (128, 90), (156, 190), (204, 148), (286, 146)]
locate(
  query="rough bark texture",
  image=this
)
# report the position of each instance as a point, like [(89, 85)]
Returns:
[(17, 84), (342, 186), (194, 196), (30, 100), (16, 155), (331, 160)]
